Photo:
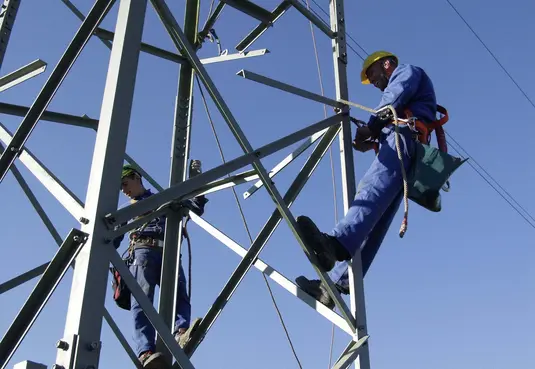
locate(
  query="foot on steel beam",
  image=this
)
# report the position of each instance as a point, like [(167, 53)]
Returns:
[(261, 240), (274, 275)]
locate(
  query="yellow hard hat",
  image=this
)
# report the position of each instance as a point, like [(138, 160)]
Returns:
[(372, 58)]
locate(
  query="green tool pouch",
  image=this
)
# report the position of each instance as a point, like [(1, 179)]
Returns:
[(431, 169)]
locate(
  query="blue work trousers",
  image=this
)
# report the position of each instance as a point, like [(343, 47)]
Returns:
[(376, 202), (147, 268)]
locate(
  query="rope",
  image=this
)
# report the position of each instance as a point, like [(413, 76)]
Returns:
[(246, 225), (511, 203)]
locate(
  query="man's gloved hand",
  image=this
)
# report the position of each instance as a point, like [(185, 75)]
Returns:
[(363, 146), (363, 133), (364, 140)]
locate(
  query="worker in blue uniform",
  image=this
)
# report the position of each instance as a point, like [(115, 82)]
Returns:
[(145, 264), (380, 192)]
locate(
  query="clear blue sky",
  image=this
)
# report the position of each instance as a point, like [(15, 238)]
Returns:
[(456, 292)]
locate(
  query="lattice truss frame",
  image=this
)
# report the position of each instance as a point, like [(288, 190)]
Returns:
[(100, 220)]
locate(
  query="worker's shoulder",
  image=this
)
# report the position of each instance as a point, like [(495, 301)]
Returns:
[(410, 71), (410, 68)]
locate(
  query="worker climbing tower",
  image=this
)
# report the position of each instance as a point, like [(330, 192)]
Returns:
[(89, 246)]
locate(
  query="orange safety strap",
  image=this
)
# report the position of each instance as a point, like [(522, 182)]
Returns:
[(426, 129)]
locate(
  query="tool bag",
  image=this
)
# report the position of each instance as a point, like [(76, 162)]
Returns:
[(431, 169), (121, 292)]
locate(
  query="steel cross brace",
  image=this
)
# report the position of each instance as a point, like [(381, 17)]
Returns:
[(41, 294), (107, 36), (263, 27), (182, 43), (55, 235), (252, 254), (22, 74), (250, 9), (275, 15), (66, 197), (273, 274), (351, 352), (185, 189), (50, 87), (23, 278)]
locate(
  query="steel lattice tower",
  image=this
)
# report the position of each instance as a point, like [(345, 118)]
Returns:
[(100, 221)]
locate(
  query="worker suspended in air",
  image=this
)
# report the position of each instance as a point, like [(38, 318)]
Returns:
[(145, 264), (409, 90)]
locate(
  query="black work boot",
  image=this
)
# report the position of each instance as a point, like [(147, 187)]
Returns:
[(315, 289), (326, 248)]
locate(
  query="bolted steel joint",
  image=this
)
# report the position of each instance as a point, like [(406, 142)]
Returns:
[(62, 345), (93, 346)]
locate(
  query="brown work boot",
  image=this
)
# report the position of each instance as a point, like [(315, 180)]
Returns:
[(326, 248), (153, 360), (183, 338)]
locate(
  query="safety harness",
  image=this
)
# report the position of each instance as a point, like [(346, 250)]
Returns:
[(431, 167), (424, 130)]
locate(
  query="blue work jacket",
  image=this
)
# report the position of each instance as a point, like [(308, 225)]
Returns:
[(409, 87)]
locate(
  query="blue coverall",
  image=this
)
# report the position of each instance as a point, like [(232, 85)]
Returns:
[(146, 266), (380, 191)]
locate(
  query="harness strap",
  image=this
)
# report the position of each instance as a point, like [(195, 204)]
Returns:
[(426, 129)]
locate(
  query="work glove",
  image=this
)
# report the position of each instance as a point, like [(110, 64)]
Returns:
[(364, 140), (363, 133), (363, 146)]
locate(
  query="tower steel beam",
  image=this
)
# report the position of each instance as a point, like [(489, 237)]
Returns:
[(261, 240), (22, 74), (86, 304), (186, 189), (50, 116), (66, 197), (39, 270), (100, 219), (356, 281), (41, 294), (181, 43), (23, 278), (8, 13), (169, 279), (251, 9), (263, 27)]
